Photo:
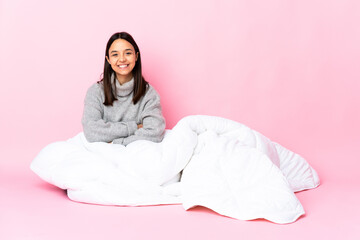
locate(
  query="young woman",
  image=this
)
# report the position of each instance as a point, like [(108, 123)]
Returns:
[(122, 107)]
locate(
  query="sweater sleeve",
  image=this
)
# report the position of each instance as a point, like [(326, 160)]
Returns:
[(95, 128), (152, 120)]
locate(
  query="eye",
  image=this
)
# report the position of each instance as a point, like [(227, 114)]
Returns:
[(128, 53), (114, 55)]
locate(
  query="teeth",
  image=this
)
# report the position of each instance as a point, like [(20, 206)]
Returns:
[(123, 66)]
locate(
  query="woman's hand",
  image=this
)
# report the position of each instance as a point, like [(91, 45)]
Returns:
[(139, 126)]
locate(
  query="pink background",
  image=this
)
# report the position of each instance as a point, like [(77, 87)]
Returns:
[(289, 69)]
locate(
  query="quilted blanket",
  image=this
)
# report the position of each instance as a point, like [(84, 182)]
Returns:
[(203, 161)]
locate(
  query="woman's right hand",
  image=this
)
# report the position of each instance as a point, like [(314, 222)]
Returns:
[(139, 126)]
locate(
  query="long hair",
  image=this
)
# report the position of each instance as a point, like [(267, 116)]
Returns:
[(140, 83)]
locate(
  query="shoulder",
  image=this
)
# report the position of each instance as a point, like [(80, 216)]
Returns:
[(151, 93), (95, 91), (151, 97)]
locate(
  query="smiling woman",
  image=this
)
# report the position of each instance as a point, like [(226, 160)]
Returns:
[(122, 107)]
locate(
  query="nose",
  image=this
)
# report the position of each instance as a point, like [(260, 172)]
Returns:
[(122, 58)]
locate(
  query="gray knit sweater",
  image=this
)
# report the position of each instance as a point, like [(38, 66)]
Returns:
[(118, 123)]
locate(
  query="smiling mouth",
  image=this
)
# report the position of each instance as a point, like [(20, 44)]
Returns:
[(123, 66)]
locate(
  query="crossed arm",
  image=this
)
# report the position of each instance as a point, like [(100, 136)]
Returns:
[(150, 128)]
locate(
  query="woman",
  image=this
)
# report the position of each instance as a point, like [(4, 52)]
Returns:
[(122, 107)]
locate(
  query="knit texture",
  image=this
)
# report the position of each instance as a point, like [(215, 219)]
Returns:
[(118, 123)]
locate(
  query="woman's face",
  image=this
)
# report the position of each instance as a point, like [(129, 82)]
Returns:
[(122, 58)]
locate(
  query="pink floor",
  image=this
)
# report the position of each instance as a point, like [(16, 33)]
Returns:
[(33, 209)]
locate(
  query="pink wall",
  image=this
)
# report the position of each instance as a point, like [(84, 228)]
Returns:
[(289, 69)]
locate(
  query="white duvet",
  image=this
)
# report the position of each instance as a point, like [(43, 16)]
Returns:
[(203, 161)]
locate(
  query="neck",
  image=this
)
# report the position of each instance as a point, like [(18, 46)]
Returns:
[(123, 79)]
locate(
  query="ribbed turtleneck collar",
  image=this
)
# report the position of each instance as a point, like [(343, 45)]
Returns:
[(124, 89)]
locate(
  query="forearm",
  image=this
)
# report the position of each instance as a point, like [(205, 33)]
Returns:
[(100, 131), (127, 140), (153, 130)]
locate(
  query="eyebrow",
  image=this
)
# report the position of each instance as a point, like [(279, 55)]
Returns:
[(125, 50)]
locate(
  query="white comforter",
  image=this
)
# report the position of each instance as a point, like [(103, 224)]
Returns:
[(208, 161)]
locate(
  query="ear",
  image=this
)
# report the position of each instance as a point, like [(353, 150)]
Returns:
[(107, 59), (137, 56)]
